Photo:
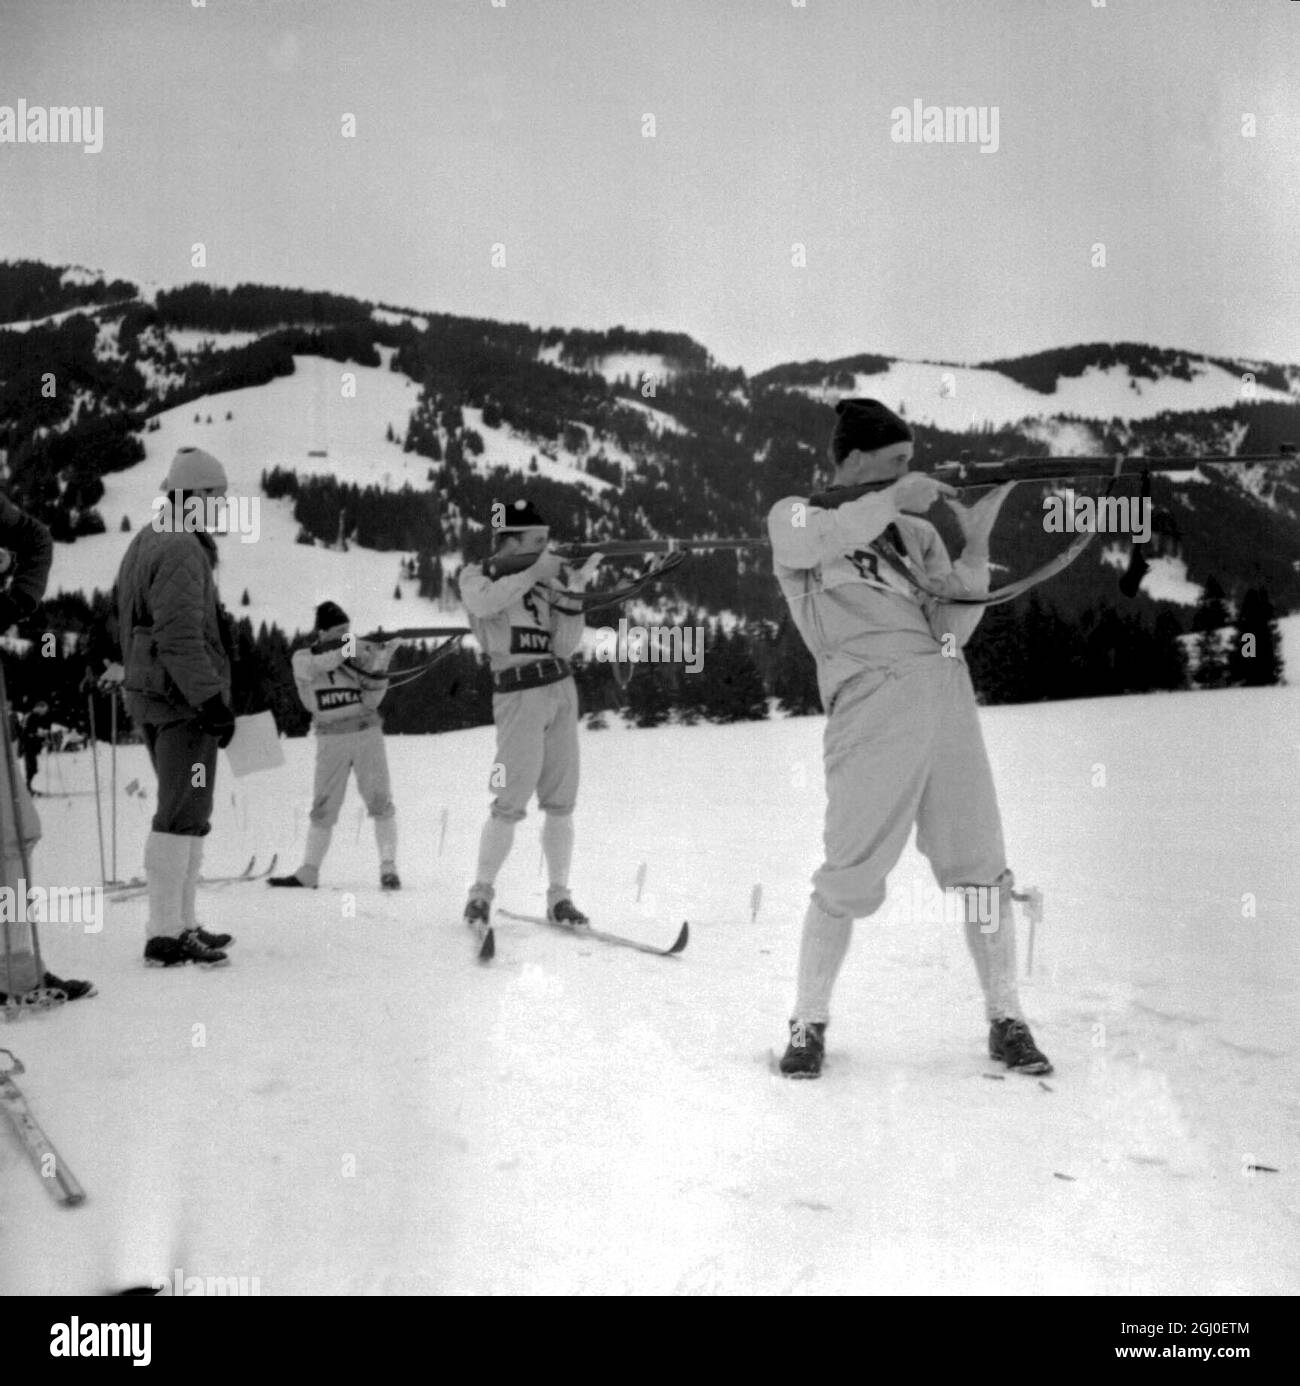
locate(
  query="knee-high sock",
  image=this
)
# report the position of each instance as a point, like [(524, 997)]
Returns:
[(189, 920), (318, 843), (822, 948), (557, 846), (386, 839), (995, 958), (166, 862), (493, 849)]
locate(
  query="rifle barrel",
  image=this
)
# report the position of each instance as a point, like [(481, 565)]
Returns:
[(612, 548), (966, 474)]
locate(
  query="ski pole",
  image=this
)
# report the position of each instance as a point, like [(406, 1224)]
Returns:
[(94, 760), (12, 772), (112, 718)]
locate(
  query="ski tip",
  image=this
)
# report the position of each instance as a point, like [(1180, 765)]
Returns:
[(487, 949), (137, 1290), (682, 939)]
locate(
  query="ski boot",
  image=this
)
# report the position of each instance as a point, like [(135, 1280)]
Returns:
[(807, 1048), (71, 989), (292, 880), (52, 991), (1011, 1042), (567, 913), (165, 951), (212, 940), (478, 914), (388, 878)]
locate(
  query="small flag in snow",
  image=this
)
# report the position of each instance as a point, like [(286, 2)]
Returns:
[(755, 900)]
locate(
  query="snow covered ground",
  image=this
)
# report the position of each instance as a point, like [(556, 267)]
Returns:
[(355, 1106), (958, 397)]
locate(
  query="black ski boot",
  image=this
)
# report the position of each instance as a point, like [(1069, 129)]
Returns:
[(289, 881), (72, 989), (213, 940), (389, 879), (54, 990), (1011, 1042), (567, 913), (165, 951), (478, 915), (807, 1048)]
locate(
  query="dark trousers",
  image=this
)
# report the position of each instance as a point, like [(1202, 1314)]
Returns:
[(177, 750)]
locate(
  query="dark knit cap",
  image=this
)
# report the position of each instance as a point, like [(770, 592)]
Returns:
[(521, 514), (865, 425), (329, 615)]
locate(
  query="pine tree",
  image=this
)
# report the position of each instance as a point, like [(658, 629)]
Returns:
[(794, 680), (648, 698), (1254, 657), (1209, 620), (397, 594), (243, 601), (1168, 659), (733, 689), (125, 526)]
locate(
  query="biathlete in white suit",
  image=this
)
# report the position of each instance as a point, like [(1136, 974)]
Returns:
[(341, 681), (902, 740), (518, 616)]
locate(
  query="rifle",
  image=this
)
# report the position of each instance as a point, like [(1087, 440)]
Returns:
[(965, 475), (382, 637)]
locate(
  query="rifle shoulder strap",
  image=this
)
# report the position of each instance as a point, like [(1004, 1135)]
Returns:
[(905, 567)]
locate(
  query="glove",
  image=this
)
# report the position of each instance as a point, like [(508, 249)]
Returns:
[(216, 719)]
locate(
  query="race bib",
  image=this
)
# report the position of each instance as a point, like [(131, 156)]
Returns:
[(529, 640)]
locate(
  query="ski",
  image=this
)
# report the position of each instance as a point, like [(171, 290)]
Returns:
[(55, 1175), (247, 874), (485, 940), (136, 883), (680, 942), (134, 889)]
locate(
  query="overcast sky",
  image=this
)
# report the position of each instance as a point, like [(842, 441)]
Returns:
[(523, 124)]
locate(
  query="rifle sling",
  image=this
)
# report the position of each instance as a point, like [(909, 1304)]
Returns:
[(904, 566)]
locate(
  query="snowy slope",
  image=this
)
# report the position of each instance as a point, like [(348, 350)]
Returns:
[(278, 424), (961, 397), (355, 1106)]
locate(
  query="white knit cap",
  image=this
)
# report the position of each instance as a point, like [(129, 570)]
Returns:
[(193, 469)]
